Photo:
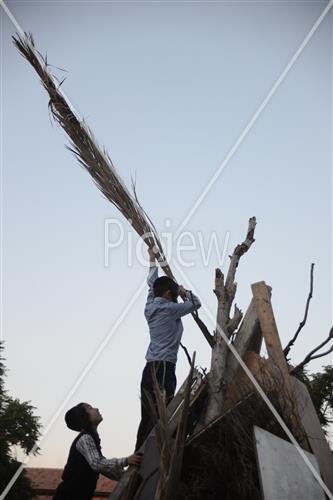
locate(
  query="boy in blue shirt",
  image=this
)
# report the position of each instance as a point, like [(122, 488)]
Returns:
[(163, 314)]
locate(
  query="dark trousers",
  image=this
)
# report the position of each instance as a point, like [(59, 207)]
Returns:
[(166, 378)]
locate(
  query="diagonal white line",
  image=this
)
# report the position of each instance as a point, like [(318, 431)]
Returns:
[(260, 391), (12, 18), (26, 39), (1, 183), (255, 117), (173, 1), (75, 386)]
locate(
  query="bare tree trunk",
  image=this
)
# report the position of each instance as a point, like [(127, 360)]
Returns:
[(216, 389), (225, 327)]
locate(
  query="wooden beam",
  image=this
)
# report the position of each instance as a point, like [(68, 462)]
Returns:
[(248, 338), (262, 302)]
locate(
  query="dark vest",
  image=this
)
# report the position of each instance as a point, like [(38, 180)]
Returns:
[(78, 479)]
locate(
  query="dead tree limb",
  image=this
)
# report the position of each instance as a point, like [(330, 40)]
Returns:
[(311, 356), (225, 292), (302, 323)]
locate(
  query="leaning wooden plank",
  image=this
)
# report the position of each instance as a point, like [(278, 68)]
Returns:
[(262, 301), (315, 435), (149, 470), (125, 485), (248, 338)]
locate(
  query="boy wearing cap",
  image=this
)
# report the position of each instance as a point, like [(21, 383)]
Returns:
[(85, 460)]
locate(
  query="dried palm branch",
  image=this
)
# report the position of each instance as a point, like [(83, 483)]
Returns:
[(170, 448), (168, 490), (90, 155), (96, 160)]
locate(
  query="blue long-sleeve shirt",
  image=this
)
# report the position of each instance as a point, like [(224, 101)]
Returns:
[(164, 321)]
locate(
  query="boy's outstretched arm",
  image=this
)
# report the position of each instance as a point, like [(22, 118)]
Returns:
[(192, 303), (113, 467)]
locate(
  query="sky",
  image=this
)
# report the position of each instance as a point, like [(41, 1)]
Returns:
[(168, 88)]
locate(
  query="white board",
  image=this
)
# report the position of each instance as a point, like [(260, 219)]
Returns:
[(284, 474), (314, 432)]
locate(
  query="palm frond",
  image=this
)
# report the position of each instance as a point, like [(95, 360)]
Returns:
[(95, 160), (89, 154)]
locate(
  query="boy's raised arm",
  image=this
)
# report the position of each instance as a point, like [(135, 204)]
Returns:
[(152, 275)]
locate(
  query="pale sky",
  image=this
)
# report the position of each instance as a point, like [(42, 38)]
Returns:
[(167, 87)]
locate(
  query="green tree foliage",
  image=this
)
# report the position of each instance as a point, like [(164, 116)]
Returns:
[(320, 386), (18, 427)]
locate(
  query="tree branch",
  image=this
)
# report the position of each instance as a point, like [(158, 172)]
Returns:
[(225, 289), (302, 323), (320, 355), (310, 356)]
